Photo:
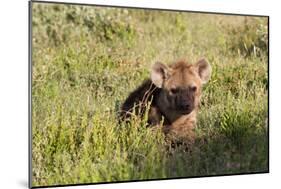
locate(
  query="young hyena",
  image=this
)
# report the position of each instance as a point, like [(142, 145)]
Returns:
[(173, 92)]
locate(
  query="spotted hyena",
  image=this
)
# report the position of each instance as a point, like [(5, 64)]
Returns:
[(173, 92)]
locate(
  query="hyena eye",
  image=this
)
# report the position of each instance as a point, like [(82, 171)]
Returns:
[(174, 90), (193, 88)]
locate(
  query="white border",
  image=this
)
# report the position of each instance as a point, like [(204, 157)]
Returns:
[(14, 92)]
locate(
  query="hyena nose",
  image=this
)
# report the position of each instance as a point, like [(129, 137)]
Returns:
[(185, 106)]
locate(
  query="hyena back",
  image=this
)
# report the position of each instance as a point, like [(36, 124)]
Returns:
[(174, 93)]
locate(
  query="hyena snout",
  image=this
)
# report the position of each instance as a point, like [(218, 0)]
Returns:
[(186, 107), (186, 103)]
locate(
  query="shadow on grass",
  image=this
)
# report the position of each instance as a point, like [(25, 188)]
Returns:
[(219, 155)]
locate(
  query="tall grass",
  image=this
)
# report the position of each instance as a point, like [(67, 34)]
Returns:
[(86, 60)]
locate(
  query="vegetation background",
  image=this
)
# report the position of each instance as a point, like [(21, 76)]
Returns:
[(87, 59)]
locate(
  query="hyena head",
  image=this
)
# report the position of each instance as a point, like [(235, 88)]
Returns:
[(181, 84)]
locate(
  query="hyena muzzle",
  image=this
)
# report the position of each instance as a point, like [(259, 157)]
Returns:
[(173, 92)]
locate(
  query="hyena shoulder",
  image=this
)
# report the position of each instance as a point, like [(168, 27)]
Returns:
[(138, 100)]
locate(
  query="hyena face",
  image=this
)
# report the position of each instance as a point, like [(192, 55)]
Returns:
[(181, 84)]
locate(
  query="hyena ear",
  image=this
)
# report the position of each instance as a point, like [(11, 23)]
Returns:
[(159, 72), (204, 70)]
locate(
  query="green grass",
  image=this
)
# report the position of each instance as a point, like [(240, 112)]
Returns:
[(86, 60)]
